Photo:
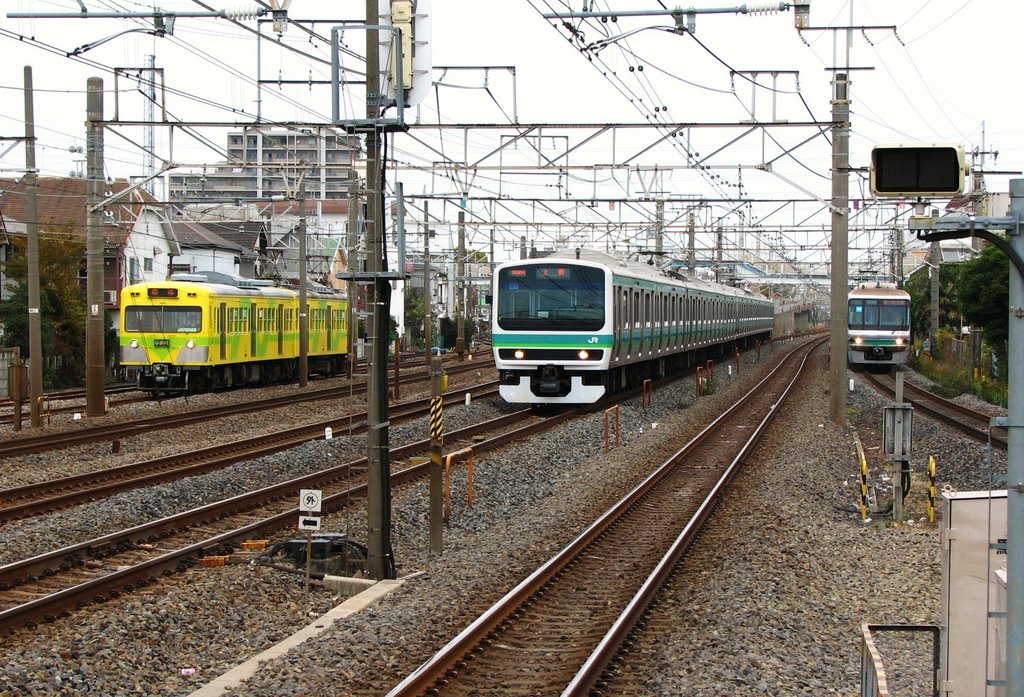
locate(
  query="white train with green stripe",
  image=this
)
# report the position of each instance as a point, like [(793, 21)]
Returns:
[(878, 326), (576, 325)]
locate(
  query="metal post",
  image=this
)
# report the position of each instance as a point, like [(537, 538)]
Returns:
[(397, 392), (96, 315), (380, 563), (303, 302), (35, 336), (428, 319), (436, 517), (840, 240), (17, 386), (1015, 460)]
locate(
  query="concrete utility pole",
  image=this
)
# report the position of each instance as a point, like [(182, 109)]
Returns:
[(428, 317), (840, 253), (460, 288), (381, 564), (303, 303), (935, 256), (691, 243), (351, 322), (659, 228), (95, 320), (35, 340)]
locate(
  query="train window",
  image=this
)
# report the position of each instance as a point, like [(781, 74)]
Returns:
[(566, 297), (876, 313), (165, 320)]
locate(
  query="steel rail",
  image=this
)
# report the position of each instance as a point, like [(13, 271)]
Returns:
[(594, 668), (432, 673), (41, 497), (944, 410), (126, 580), (22, 445)]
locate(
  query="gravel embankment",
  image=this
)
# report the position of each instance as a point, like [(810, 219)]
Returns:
[(773, 605)]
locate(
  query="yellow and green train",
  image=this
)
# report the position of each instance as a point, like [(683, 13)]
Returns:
[(192, 334)]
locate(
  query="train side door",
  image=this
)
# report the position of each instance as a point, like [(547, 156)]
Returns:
[(222, 324), (329, 311), (252, 330), (280, 330)]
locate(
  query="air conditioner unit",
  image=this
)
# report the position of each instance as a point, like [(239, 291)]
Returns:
[(110, 297)]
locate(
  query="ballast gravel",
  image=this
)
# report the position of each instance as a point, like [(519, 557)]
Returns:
[(770, 602)]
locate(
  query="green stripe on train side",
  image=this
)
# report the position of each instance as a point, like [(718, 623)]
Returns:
[(551, 340)]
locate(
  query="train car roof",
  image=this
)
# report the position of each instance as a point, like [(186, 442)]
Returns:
[(637, 269), (878, 290), (200, 283)]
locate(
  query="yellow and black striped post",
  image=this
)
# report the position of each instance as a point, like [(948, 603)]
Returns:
[(863, 482), (931, 488), (436, 420), (436, 443)]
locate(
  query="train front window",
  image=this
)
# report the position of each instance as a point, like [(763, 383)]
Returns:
[(551, 297), (873, 313), (163, 320)]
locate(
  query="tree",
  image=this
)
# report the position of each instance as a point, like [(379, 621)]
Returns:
[(450, 330), (985, 298), (415, 314), (950, 312), (62, 305)]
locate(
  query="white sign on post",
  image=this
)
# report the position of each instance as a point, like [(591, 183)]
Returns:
[(309, 522), (310, 500)]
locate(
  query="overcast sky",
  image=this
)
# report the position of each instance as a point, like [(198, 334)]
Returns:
[(944, 74)]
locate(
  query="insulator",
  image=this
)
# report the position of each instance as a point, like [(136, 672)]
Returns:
[(763, 8), (243, 12)]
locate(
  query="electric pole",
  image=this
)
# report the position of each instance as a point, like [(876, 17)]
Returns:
[(381, 562), (96, 314), (303, 302), (428, 319), (460, 288), (35, 340), (840, 253)]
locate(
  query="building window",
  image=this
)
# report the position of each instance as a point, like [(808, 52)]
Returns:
[(147, 264)]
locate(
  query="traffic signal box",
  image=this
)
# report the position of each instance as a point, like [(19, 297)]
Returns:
[(912, 171)]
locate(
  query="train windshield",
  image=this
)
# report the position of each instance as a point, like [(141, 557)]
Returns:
[(551, 297), (163, 320), (878, 313)]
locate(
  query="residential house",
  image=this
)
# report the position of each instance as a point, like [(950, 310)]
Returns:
[(233, 247), (136, 244)]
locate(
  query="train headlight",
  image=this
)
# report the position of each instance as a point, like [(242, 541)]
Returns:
[(134, 343), (520, 354), (899, 341), (857, 340), (190, 344), (583, 354)]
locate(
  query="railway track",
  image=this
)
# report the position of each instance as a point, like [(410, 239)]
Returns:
[(54, 402), (567, 623), (972, 423), (42, 497), (52, 440), (54, 584)]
